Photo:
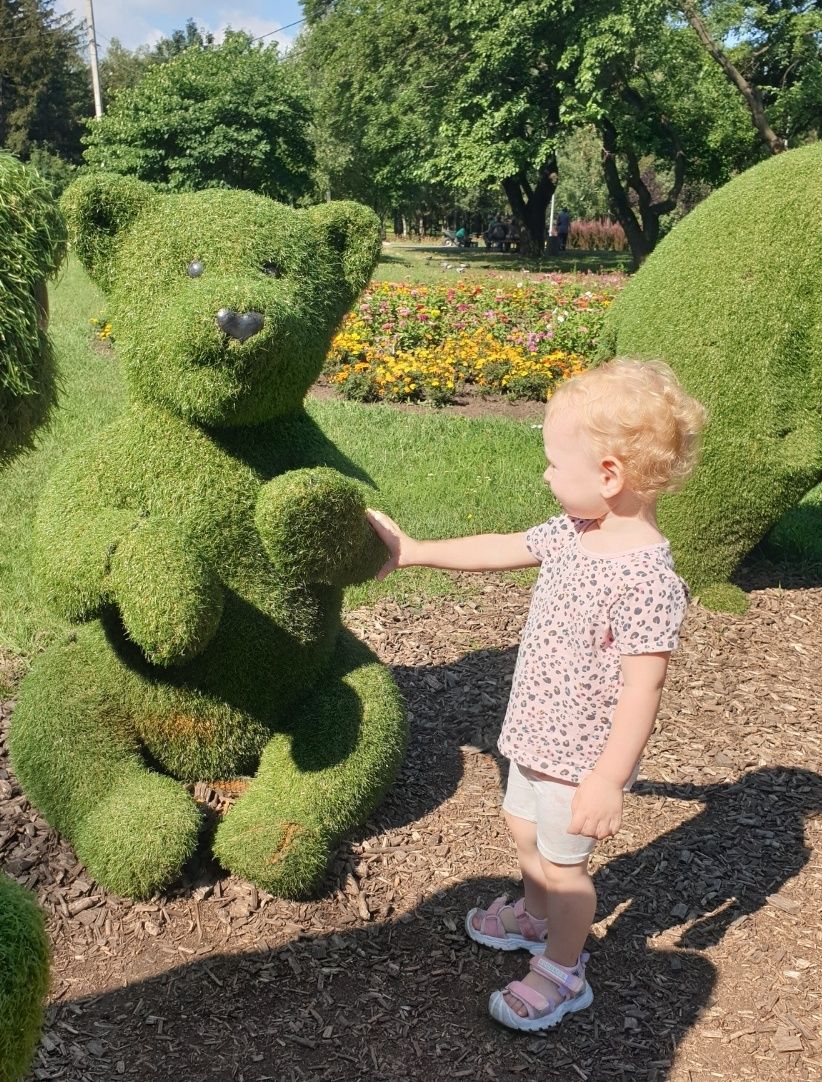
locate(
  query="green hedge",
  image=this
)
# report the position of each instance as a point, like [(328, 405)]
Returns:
[(732, 299)]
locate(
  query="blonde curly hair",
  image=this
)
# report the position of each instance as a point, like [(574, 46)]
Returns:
[(638, 412)]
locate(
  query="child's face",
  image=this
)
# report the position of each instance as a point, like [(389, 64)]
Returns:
[(575, 475)]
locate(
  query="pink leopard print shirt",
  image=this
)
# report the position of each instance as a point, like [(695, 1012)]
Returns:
[(587, 609)]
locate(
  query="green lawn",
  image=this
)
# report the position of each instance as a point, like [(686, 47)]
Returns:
[(439, 475), (425, 264)]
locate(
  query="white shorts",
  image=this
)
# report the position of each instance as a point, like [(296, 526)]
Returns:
[(547, 802)]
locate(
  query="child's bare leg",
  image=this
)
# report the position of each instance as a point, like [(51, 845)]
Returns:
[(524, 833), (571, 902)]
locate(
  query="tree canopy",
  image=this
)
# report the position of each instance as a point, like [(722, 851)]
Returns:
[(45, 86), (221, 116), (464, 95)]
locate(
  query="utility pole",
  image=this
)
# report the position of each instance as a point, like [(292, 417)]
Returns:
[(92, 48)]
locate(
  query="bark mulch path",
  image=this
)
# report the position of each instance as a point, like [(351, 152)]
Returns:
[(706, 955)]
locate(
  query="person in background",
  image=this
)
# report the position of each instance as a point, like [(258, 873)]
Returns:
[(563, 228)]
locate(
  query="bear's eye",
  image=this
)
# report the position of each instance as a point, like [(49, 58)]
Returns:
[(195, 268), (272, 270)]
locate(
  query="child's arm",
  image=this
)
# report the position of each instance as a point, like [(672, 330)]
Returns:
[(597, 804), (483, 552)]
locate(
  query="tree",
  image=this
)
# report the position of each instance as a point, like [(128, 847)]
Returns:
[(122, 68), (411, 108), (581, 185), (666, 117), (773, 60), (231, 116), (45, 91), (191, 36)]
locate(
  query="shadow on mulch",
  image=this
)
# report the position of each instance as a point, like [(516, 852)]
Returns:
[(405, 999)]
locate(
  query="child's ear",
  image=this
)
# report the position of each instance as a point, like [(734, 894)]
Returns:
[(98, 208), (613, 476), (353, 232)]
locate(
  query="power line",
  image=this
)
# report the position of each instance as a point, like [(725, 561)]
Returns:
[(279, 29)]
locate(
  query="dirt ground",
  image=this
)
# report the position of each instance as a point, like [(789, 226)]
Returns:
[(706, 954), (466, 404)]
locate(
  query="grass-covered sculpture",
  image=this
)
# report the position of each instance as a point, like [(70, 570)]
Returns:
[(732, 299), (32, 247), (204, 539), (24, 959)]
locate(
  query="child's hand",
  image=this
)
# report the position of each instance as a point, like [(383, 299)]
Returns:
[(397, 542), (596, 810)]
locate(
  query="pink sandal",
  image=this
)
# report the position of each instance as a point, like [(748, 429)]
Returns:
[(492, 932), (541, 1013)]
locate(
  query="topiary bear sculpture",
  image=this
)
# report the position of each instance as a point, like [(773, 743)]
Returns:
[(32, 248), (24, 963), (205, 538), (732, 300)]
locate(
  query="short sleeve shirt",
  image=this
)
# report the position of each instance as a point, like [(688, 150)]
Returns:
[(586, 611)]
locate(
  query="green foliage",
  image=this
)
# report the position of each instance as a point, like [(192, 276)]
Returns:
[(24, 966), (229, 116), (489, 93), (299, 508), (55, 171), (97, 209), (798, 534), (122, 68), (777, 48), (206, 535), (32, 247), (45, 90), (758, 370), (581, 185)]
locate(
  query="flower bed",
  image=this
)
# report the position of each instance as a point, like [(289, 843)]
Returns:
[(412, 342)]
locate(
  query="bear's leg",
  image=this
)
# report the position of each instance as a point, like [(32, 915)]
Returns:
[(77, 758), (319, 780)]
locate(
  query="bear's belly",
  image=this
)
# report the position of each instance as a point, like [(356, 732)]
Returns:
[(211, 717)]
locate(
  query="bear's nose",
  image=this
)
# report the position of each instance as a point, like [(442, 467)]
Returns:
[(240, 325)]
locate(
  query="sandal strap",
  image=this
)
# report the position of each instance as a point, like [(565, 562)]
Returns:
[(528, 924), (563, 978), (491, 922), (534, 1002)]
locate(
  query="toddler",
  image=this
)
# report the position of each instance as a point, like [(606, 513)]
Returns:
[(604, 617)]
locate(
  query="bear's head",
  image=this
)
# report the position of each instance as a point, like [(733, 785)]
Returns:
[(222, 303), (32, 247)]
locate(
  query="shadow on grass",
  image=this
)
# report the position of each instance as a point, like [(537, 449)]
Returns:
[(484, 259), (406, 998), (763, 569)]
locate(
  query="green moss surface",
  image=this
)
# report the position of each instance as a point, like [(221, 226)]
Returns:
[(205, 538), (24, 965), (732, 299)]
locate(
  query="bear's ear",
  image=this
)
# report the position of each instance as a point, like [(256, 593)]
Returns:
[(353, 232), (98, 208)]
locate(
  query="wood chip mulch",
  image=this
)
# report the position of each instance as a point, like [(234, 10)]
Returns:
[(705, 958)]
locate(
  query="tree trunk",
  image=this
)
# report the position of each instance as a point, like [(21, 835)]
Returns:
[(749, 92), (643, 232), (530, 204)]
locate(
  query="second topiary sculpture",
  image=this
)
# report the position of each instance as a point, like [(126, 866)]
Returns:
[(204, 539)]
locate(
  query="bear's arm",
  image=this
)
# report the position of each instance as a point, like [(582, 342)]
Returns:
[(91, 556), (312, 525)]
